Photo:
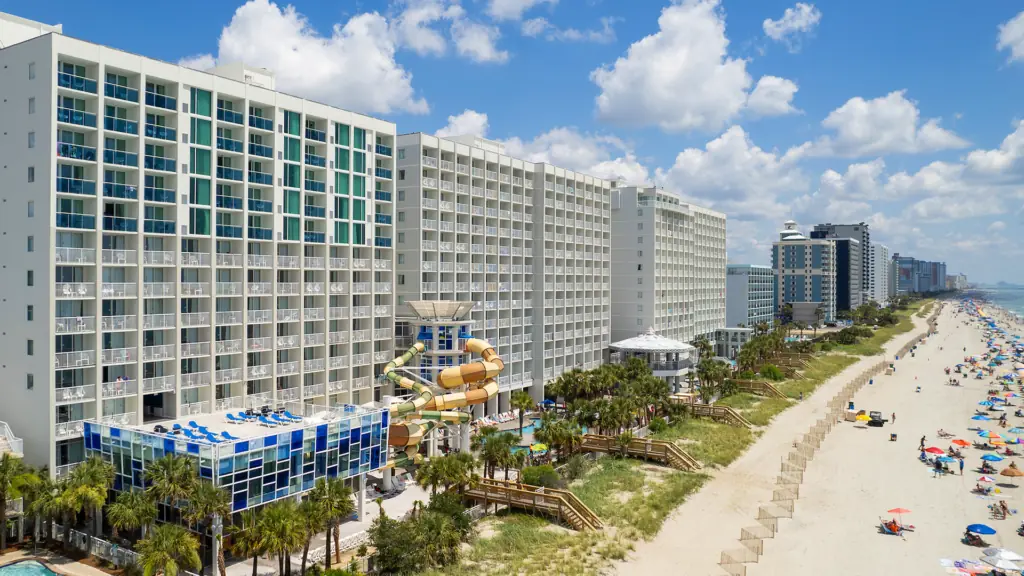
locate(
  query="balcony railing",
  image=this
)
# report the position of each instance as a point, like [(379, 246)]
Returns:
[(195, 319), (158, 384), (76, 152), (74, 394), (260, 206), (314, 134), (161, 352), (118, 323), (121, 158), (120, 92), (75, 324), (230, 116), (229, 375), (287, 368), (261, 150), (79, 221), (161, 101), (261, 123), (228, 346), (195, 408), (65, 430), (193, 349), (228, 173), (164, 195), (195, 380), (383, 150), (230, 403), (159, 163), (76, 117), (161, 132), (316, 160), (118, 389), (257, 372), (74, 255), (119, 355), (261, 178), (73, 82), (158, 321), (158, 289), (259, 344)]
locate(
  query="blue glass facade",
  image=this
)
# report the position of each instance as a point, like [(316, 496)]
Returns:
[(254, 470)]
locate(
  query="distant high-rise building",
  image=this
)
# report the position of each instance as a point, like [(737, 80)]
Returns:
[(919, 276), (879, 265), (858, 232), (748, 295), (956, 282), (805, 275), (848, 273)]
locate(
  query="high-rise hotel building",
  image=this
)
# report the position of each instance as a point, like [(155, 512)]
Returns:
[(180, 242), (529, 243)]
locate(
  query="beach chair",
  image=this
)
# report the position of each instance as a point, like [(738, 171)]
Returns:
[(191, 436), (231, 419), (192, 424), (279, 419), (203, 430), (213, 439), (264, 422), (292, 416), (176, 429), (884, 528), (228, 437), (246, 417)]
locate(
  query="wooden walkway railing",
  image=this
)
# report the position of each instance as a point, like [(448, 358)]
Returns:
[(561, 504), (667, 452), (759, 387)]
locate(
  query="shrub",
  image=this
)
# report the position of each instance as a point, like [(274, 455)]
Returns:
[(450, 504), (827, 346), (579, 465), (658, 425), (728, 388), (772, 372), (543, 475), (747, 375)]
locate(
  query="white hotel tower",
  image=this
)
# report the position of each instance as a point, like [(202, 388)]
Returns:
[(179, 242), (528, 242)]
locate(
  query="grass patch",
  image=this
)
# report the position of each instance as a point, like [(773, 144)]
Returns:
[(740, 401), (708, 441), (766, 411), (874, 344), (820, 369)]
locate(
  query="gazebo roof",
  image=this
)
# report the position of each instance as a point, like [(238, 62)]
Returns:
[(650, 341)]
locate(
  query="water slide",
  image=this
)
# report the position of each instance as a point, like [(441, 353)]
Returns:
[(413, 419)]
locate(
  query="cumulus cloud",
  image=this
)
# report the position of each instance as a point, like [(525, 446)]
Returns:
[(997, 226), (414, 26), (468, 122), (478, 41), (890, 124), (597, 155), (681, 77), (796, 21), (199, 62), (1011, 37), (773, 96), (537, 27), (354, 67), (513, 9)]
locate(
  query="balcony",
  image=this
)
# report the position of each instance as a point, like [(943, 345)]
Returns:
[(229, 403), (288, 394), (259, 316), (78, 118), (228, 375), (188, 409), (287, 368), (314, 186), (161, 132), (160, 163), (118, 290), (314, 134), (261, 150), (226, 318), (230, 116), (339, 288), (161, 101), (382, 242), (315, 237), (113, 190), (158, 290), (382, 218), (314, 365), (158, 384), (338, 313), (288, 288), (313, 390), (260, 288), (261, 123), (383, 150), (156, 258), (314, 288), (257, 372), (228, 347), (74, 255), (193, 349), (120, 92), (121, 158), (158, 227), (75, 152), (125, 387), (154, 353), (152, 194), (288, 342), (261, 178), (73, 186), (115, 224), (74, 324), (195, 319), (66, 430), (336, 362), (316, 212), (382, 196), (382, 173), (228, 173), (225, 231), (288, 315), (315, 160), (337, 338), (261, 233), (313, 339), (75, 394), (259, 344), (76, 83), (260, 206), (119, 356)]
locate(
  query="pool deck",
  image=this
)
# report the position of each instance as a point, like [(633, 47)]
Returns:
[(54, 562)]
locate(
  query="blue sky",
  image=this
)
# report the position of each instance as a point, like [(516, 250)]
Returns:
[(902, 114)]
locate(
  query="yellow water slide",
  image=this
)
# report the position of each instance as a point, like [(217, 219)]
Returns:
[(421, 414)]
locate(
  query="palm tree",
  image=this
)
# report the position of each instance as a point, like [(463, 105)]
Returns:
[(313, 520), (35, 490), (335, 499), (133, 510), (428, 475), (247, 539), (703, 346), (171, 479), (819, 313), (496, 450), (206, 503), (521, 401), (168, 549), (88, 489), (11, 476), (284, 532)]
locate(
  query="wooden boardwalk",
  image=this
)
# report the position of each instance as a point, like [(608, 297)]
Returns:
[(561, 504), (666, 452)]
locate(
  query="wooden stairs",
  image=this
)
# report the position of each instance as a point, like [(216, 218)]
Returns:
[(666, 452), (759, 387), (561, 504)]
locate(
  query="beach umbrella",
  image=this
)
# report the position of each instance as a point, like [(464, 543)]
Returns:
[(986, 479), (980, 417), (946, 459), (1016, 430), (900, 512), (981, 529), (986, 403), (863, 417), (1003, 554), (961, 443), (936, 450), (999, 408), (992, 458), (1000, 563), (990, 435)]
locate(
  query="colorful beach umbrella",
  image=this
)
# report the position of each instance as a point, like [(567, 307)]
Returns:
[(992, 458), (935, 450), (981, 529), (985, 403), (980, 417), (946, 459), (986, 479), (1016, 430), (961, 443)]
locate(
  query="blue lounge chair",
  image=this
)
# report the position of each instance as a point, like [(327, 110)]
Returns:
[(246, 417), (228, 436), (213, 439), (292, 416), (264, 422), (176, 428), (203, 430), (233, 420), (191, 436), (280, 420), (192, 424)]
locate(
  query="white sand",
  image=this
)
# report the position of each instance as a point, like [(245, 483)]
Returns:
[(693, 538)]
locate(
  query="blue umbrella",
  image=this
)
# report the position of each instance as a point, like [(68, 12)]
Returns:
[(547, 401), (991, 458), (985, 403), (1016, 430), (980, 417), (946, 459), (981, 529)]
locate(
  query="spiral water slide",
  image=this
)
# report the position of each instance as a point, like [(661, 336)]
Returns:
[(413, 419)]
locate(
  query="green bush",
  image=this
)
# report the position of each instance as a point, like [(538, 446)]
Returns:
[(747, 375), (578, 466), (772, 372), (658, 425), (450, 504), (544, 475), (827, 346)]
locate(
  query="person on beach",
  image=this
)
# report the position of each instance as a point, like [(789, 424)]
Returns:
[(893, 417), (921, 447), (961, 466)]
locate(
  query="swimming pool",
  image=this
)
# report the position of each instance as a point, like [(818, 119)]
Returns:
[(26, 568)]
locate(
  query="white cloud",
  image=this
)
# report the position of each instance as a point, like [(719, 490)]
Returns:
[(477, 41), (943, 210), (861, 181), (199, 62), (734, 175), (679, 78), (800, 19), (1011, 36), (413, 25), (773, 96), (512, 9), (997, 226), (541, 27), (889, 124), (468, 122), (597, 155), (1003, 159), (353, 68)]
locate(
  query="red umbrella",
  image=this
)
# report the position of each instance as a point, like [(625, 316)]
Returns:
[(961, 443), (901, 512), (935, 450)]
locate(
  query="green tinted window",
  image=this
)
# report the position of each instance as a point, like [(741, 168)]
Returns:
[(199, 161), (201, 102), (292, 123), (292, 229), (199, 221), (359, 233), (292, 202), (199, 191), (200, 131), (292, 150), (292, 176), (341, 208), (359, 162), (341, 158), (359, 139), (341, 232), (359, 186), (341, 184), (341, 134), (359, 210)]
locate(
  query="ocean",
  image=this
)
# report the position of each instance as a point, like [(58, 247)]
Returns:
[(1010, 297)]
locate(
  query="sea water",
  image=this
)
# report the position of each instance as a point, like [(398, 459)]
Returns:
[(1008, 297)]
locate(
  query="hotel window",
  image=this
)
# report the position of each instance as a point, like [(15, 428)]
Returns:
[(31, 347), (30, 312), (31, 70)]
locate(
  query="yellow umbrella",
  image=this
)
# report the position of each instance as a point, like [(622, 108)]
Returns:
[(539, 447), (863, 417)]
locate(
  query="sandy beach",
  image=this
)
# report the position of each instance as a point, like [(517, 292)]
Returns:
[(857, 475)]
